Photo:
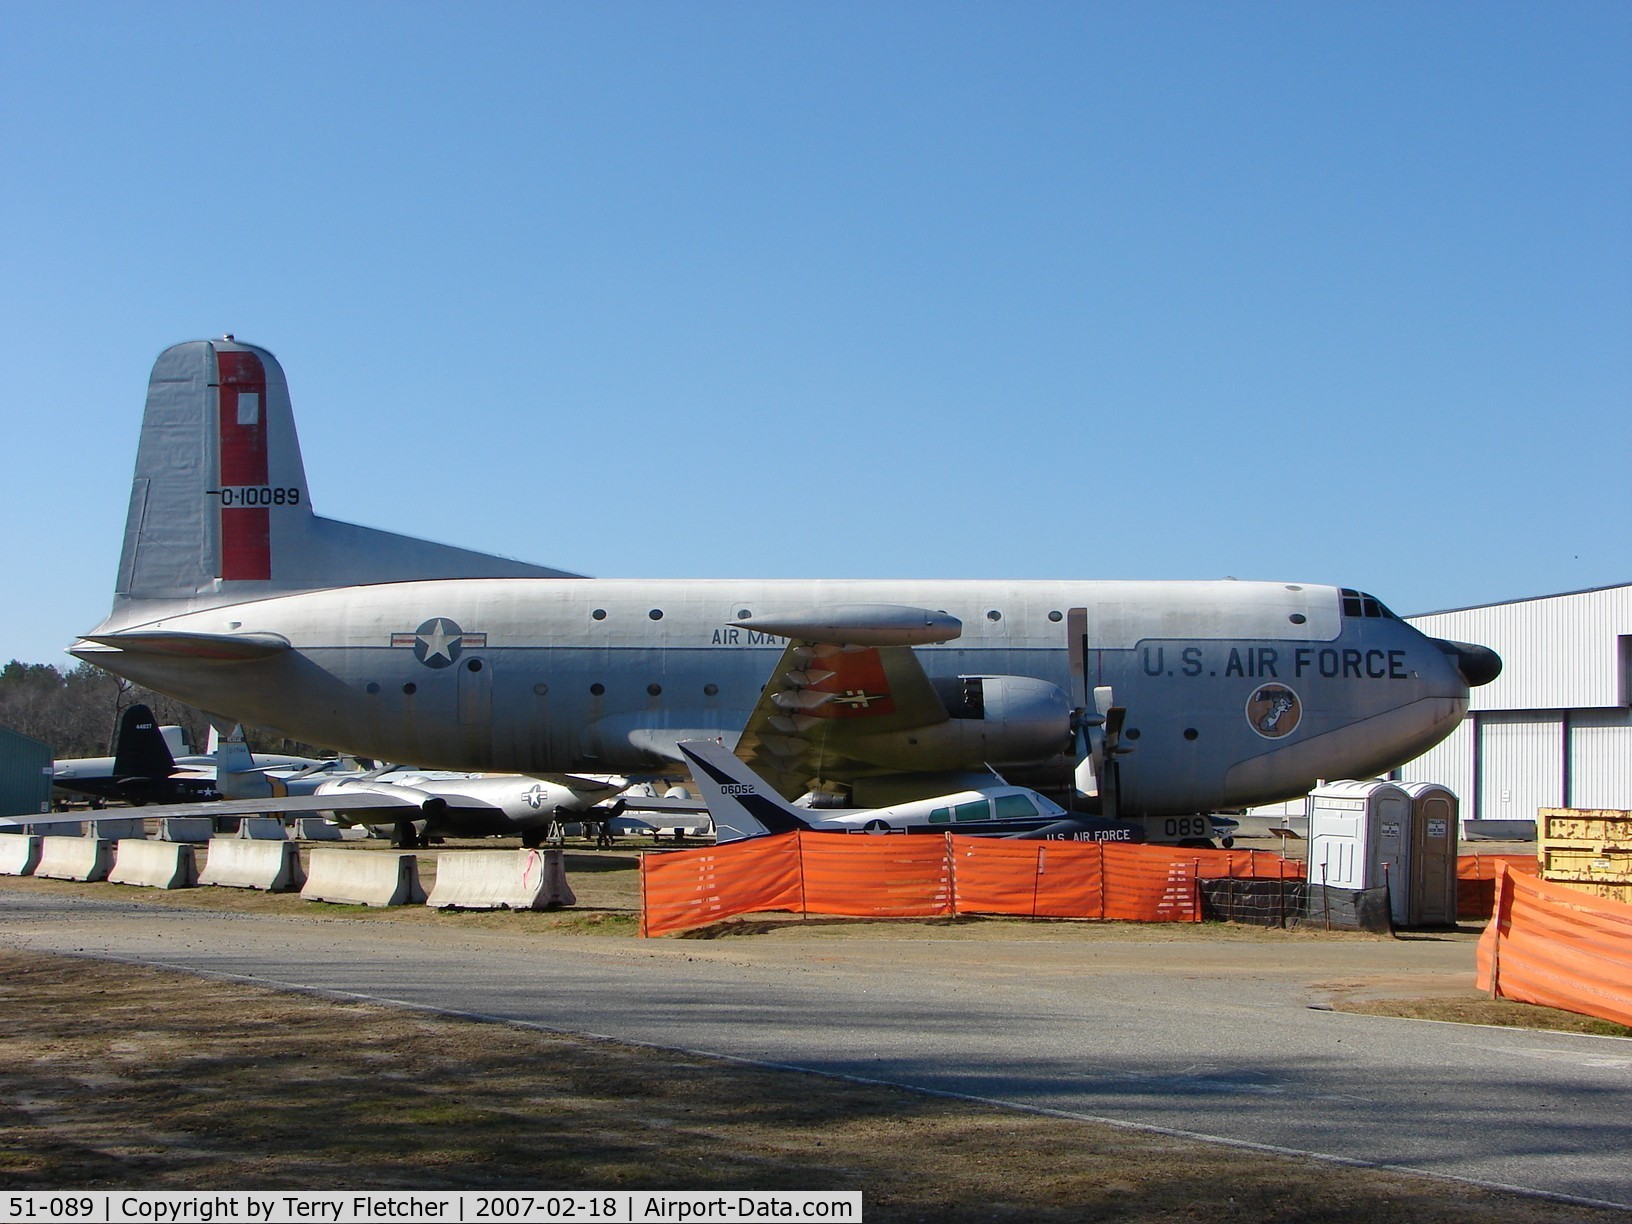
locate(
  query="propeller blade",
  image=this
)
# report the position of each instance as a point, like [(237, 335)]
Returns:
[(1076, 642), (1084, 777)]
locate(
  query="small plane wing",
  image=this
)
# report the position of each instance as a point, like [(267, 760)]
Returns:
[(847, 675)]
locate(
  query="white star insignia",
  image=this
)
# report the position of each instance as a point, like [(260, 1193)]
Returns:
[(438, 641)]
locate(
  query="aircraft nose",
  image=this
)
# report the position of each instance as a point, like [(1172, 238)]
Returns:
[(1478, 664)]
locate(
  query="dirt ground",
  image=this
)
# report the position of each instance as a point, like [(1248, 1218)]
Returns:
[(153, 1080)]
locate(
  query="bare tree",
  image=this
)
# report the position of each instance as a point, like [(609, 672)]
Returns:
[(78, 713)]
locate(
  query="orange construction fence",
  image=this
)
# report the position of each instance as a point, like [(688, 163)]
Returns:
[(936, 876), (1476, 880), (691, 888), (1558, 947)]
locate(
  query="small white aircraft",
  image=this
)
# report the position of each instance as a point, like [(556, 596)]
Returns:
[(744, 805)]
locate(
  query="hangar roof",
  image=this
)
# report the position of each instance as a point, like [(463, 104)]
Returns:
[(1571, 651)]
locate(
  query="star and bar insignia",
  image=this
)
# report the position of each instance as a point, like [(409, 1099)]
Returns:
[(439, 642)]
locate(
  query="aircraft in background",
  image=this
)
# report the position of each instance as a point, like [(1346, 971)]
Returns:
[(142, 769), (242, 774), (743, 805), (414, 804), (425, 803), (1126, 699)]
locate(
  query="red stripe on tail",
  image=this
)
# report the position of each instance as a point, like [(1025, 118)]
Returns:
[(246, 532)]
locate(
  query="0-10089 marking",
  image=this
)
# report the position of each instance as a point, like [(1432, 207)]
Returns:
[(258, 495)]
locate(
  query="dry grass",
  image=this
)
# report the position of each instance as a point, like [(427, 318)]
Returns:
[(155, 1080), (1503, 1013)]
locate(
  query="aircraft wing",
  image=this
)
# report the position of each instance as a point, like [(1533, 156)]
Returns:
[(288, 805), (661, 804), (824, 702)]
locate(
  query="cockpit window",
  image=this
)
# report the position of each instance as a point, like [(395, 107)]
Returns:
[(1014, 807), (1357, 603)]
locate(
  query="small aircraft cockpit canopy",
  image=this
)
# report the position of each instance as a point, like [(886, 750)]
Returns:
[(1358, 603), (1000, 807)]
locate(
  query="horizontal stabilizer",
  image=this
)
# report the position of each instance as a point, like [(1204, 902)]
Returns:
[(228, 647)]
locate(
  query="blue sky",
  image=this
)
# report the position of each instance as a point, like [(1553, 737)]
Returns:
[(1327, 293)]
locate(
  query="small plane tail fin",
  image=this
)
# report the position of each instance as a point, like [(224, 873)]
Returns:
[(219, 508), (140, 750), (235, 774), (740, 802)]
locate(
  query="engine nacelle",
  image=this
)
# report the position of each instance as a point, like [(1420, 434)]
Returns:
[(996, 720), (1011, 719)]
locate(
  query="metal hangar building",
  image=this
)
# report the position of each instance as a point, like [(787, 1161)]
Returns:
[(25, 774), (1555, 728)]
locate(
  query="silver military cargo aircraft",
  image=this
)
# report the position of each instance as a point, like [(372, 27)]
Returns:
[(1127, 698)]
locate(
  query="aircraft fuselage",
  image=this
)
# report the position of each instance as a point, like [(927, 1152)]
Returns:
[(1236, 693)]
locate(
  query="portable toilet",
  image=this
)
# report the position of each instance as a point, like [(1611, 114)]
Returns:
[(1434, 847), (1359, 840)]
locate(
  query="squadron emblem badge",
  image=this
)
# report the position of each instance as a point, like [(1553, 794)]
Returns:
[(1274, 711)]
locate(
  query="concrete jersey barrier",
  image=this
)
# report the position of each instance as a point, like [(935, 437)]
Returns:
[(153, 864), (187, 829), (74, 858), (315, 828), (362, 877), (237, 862), (501, 879), (19, 853), (116, 828), (262, 828)]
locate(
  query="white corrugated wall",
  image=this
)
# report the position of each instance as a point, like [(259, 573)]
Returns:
[(1555, 727), (1601, 759), (1450, 763), (1562, 652), (1521, 764)]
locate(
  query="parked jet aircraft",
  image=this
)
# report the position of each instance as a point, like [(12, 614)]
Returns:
[(141, 770), (415, 804), (427, 803), (240, 774), (1132, 698), (743, 805)]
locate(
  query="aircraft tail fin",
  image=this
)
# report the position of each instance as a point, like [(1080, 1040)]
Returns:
[(235, 773), (220, 511), (740, 802), (140, 750)]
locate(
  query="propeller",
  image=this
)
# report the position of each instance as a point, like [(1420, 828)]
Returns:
[(1096, 726)]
